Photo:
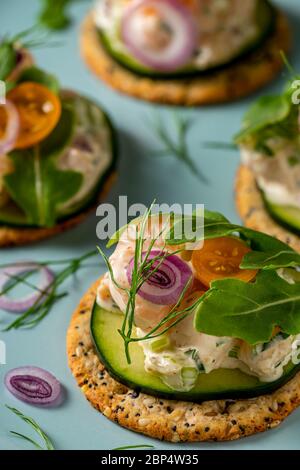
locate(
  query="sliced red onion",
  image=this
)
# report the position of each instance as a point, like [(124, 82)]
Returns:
[(166, 284), (7, 142), (21, 305), (179, 21), (34, 385)]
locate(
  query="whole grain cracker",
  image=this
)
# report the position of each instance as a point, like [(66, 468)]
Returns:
[(252, 210), (174, 421), (238, 80)]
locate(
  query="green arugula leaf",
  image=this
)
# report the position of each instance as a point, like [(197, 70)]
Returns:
[(34, 74), (268, 252), (36, 185), (250, 311), (54, 14), (267, 111), (8, 59), (271, 260)]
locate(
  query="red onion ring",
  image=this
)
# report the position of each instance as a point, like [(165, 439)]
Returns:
[(12, 129), (34, 385), (182, 45), (23, 304), (165, 286)]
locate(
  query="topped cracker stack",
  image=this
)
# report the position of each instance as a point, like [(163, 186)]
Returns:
[(191, 344), (267, 186), (57, 151), (172, 51)]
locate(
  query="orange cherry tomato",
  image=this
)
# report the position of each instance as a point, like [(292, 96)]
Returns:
[(221, 258), (39, 111)]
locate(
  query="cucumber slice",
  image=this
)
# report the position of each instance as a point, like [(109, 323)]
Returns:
[(266, 16), (287, 216), (91, 118), (221, 383)]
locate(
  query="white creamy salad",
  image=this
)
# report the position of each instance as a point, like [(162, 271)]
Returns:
[(181, 355), (277, 175)]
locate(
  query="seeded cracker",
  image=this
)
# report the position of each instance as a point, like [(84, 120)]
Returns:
[(169, 420), (238, 80)]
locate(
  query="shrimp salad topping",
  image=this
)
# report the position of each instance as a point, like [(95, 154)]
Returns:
[(179, 352)]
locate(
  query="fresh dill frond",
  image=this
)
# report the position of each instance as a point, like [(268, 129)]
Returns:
[(143, 268), (42, 307), (142, 446), (178, 146), (36, 427)]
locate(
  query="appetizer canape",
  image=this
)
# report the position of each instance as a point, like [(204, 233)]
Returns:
[(267, 189), (188, 52), (191, 345), (57, 156)]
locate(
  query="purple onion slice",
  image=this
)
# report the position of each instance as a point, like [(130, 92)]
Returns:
[(10, 136), (165, 285), (175, 44), (21, 305), (34, 385)]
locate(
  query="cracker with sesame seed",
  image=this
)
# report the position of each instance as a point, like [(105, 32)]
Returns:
[(239, 79), (17, 236), (170, 420), (251, 208)]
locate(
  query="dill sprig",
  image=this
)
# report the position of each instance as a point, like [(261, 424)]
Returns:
[(29, 38), (220, 146), (176, 147), (44, 303), (36, 427), (143, 269), (142, 446)]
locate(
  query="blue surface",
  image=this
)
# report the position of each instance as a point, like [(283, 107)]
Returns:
[(76, 425)]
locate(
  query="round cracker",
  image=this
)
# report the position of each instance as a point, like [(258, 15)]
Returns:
[(236, 81), (252, 210), (174, 421), (14, 236)]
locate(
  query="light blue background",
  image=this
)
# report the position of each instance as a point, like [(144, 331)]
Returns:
[(76, 425)]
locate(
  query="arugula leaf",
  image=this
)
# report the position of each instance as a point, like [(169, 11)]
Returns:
[(8, 59), (271, 260), (267, 111), (54, 14), (36, 185), (268, 252), (250, 311), (37, 75)]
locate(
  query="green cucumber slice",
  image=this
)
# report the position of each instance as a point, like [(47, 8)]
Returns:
[(266, 18), (287, 216), (219, 384)]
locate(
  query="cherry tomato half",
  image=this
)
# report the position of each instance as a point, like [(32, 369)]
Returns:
[(221, 258), (39, 111)]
